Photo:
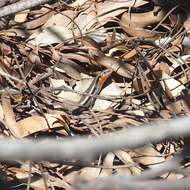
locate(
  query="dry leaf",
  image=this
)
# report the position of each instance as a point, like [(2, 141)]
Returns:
[(37, 22), (113, 8), (147, 156), (36, 123), (126, 158), (89, 173), (110, 90), (21, 16), (108, 162), (51, 35), (9, 116), (134, 23)]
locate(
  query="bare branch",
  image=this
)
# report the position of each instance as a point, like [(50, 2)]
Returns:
[(86, 149), (20, 6), (4, 2), (159, 169), (120, 182)]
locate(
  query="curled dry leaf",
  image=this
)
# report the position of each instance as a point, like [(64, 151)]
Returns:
[(40, 20), (14, 32), (75, 25), (108, 162), (134, 23), (147, 156), (172, 87), (89, 173), (126, 158), (33, 57), (9, 116), (20, 173), (137, 113), (109, 9), (129, 54), (57, 29), (37, 123)]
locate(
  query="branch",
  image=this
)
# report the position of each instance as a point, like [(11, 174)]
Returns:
[(86, 149), (120, 182), (4, 2), (20, 6)]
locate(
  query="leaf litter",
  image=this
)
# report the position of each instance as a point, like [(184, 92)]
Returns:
[(88, 68)]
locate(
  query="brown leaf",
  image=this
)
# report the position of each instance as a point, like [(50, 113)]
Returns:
[(9, 116), (21, 16), (37, 22), (89, 173), (109, 9), (126, 158), (134, 23), (108, 162), (37, 123), (147, 155)]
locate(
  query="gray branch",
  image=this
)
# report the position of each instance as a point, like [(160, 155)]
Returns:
[(87, 148), (20, 6), (6, 2), (120, 182)]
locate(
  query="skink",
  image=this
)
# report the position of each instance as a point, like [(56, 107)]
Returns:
[(87, 100), (95, 88)]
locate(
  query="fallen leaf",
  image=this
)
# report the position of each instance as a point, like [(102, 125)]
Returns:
[(108, 162)]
